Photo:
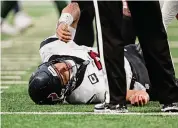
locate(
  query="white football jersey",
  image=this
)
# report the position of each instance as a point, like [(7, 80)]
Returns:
[(93, 87)]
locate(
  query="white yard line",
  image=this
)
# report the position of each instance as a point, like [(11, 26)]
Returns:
[(18, 55), (13, 72), (174, 45), (175, 60), (18, 63), (25, 67), (6, 44), (4, 87), (11, 77), (19, 58), (29, 3), (89, 113), (13, 82), (170, 42)]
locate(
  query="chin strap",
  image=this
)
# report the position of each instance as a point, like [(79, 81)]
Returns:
[(82, 67), (72, 83)]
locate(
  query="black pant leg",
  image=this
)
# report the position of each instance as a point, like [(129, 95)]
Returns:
[(152, 36), (111, 19), (6, 7), (85, 33), (127, 31), (17, 7), (60, 5)]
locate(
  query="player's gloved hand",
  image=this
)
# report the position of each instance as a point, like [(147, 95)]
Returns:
[(140, 98), (63, 32)]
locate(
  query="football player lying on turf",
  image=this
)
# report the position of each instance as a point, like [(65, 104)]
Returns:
[(73, 73)]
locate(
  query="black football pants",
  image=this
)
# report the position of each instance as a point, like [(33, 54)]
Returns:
[(147, 20), (6, 7), (85, 33)]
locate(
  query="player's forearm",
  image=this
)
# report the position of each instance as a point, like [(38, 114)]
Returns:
[(68, 21), (70, 15)]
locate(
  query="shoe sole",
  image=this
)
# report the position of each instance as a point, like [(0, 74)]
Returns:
[(109, 111), (169, 109)]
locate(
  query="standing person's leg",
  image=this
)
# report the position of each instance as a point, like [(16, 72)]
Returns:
[(60, 5), (128, 32), (111, 18), (152, 36), (6, 7), (21, 20), (17, 7), (85, 33)]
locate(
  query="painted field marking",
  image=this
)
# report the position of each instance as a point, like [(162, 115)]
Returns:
[(173, 44), (13, 82), (15, 68), (175, 60), (11, 77), (18, 66), (4, 87), (13, 72), (6, 44), (15, 65), (19, 58), (90, 113), (12, 63), (18, 55)]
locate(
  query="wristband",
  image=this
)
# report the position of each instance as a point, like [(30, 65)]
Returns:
[(67, 18)]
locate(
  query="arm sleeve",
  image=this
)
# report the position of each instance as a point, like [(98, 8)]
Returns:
[(169, 11)]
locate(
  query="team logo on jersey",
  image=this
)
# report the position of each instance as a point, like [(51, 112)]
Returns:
[(54, 97), (93, 78), (95, 57)]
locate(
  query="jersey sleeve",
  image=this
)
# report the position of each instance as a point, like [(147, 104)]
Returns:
[(54, 46), (45, 48)]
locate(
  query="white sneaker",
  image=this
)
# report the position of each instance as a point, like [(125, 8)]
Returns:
[(22, 21), (109, 108), (170, 107), (8, 29)]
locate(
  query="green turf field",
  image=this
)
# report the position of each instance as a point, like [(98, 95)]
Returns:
[(20, 56)]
